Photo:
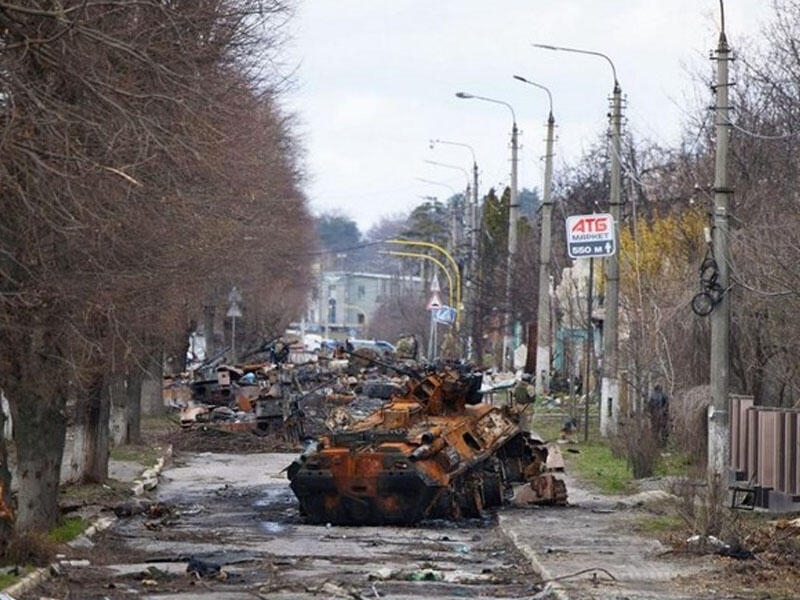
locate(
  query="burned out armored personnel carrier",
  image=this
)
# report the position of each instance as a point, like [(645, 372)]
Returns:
[(435, 451)]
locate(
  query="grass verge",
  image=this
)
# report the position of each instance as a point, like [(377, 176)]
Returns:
[(67, 530), (596, 465)]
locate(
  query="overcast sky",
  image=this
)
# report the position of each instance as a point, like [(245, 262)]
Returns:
[(376, 80)]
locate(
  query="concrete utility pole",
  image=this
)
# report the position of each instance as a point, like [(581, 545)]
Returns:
[(609, 389), (543, 309), (513, 218), (718, 443)]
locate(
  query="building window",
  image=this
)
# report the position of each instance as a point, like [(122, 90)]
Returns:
[(361, 291), (361, 319), (331, 310)]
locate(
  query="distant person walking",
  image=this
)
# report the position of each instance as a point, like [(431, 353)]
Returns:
[(659, 413)]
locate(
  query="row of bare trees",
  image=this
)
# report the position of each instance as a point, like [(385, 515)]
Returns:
[(145, 166)]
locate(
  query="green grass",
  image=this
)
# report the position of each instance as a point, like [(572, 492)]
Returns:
[(87, 493), (673, 463), (68, 529), (547, 425), (596, 465), (593, 463), (144, 455), (659, 524), (9, 579), (160, 423)]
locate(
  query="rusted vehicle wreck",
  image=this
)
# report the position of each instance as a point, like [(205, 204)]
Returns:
[(435, 451)]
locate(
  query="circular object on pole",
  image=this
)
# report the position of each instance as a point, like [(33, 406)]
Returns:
[(709, 272), (703, 303)]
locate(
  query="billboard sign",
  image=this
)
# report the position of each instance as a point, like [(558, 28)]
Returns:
[(591, 236)]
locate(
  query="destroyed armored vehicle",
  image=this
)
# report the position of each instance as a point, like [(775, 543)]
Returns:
[(435, 451)]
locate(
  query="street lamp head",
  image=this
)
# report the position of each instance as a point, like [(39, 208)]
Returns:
[(506, 104), (462, 144), (582, 51), (541, 87)]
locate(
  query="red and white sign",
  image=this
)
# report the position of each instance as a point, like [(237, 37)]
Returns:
[(435, 302), (591, 236)]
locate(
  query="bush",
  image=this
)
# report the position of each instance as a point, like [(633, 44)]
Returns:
[(639, 444), (30, 549), (702, 505), (688, 414)]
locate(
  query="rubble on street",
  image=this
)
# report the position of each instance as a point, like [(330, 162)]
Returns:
[(383, 439)]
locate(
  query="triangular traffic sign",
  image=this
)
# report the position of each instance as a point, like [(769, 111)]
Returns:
[(435, 302)]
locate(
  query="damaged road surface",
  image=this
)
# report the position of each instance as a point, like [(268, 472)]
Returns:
[(228, 527)]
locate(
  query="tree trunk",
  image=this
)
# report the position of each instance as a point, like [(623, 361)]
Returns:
[(152, 400), (96, 441), (6, 514), (133, 408), (39, 430)]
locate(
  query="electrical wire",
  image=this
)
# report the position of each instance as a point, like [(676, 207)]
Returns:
[(762, 136)]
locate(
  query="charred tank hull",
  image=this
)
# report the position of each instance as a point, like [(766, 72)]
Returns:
[(430, 453)]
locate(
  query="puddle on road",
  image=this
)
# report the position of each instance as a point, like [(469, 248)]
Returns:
[(272, 497), (272, 527)]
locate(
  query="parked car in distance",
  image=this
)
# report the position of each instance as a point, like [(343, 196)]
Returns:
[(381, 347)]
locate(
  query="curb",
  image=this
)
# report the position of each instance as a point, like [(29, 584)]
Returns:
[(551, 589), (148, 480), (27, 583)]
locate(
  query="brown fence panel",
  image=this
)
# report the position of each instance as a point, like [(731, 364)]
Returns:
[(739, 432), (753, 431), (791, 471), (780, 451), (765, 451), (766, 469)]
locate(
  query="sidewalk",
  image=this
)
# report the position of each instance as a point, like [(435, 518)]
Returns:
[(137, 476), (588, 550)]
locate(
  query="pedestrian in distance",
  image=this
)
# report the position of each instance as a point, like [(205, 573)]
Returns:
[(659, 413)]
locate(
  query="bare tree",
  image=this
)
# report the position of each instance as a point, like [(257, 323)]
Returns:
[(144, 166)]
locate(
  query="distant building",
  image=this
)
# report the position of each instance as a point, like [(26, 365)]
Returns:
[(571, 329), (344, 303)]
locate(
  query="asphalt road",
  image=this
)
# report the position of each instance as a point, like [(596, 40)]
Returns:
[(234, 519)]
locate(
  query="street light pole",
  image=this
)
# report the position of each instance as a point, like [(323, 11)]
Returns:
[(473, 210), (457, 291), (513, 218), (472, 239), (456, 215), (543, 308), (609, 389)]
